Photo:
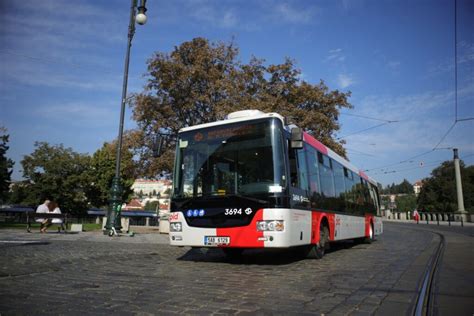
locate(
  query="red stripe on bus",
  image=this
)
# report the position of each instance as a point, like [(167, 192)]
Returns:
[(368, 219), (244, 236), (315, 143), (363, 175), (316, 218)]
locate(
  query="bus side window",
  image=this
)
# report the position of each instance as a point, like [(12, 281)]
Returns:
[(326, 176), (314, 183), (339, 201)]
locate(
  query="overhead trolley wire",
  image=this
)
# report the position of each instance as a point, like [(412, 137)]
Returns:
[(361, 131), (369, 117), (456, 120)]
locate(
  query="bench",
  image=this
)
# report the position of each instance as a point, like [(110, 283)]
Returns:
[(31, 216)]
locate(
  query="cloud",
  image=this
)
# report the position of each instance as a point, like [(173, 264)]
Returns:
[(423, 119), (291, 14), (335, 55), (79, 113), (394, 64), (345, 80), (465, 57), (216, 16), (31, 73)]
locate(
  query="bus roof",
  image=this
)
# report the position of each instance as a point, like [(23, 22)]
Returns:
[(235, 117)]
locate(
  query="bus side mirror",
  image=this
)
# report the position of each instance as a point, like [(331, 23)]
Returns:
[(157, 147), (296, 138)]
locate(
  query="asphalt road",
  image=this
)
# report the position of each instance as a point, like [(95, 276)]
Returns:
[(91, 273)]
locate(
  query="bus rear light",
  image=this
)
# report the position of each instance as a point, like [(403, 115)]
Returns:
[(270, 226), (176, 227)]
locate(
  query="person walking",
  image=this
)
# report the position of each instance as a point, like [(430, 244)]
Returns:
[(416, 216)]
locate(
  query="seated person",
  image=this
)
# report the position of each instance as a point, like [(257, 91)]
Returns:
[(51, 208), (43, 208)]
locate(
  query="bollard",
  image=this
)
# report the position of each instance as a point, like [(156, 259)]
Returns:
[(437, 220), (462, 222), (449, 220)]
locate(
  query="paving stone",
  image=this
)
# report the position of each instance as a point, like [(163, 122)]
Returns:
[(95, 274)]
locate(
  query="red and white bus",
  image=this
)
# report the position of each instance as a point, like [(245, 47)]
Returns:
[(252, 181)]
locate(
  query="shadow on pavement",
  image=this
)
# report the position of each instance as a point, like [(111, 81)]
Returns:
[(258, 256)]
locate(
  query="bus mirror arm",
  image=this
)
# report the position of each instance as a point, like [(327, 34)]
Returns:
[(296, 138)]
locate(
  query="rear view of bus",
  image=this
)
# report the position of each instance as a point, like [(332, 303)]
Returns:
[(250, 181)]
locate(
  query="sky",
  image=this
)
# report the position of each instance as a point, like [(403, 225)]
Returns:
[(61, 69)]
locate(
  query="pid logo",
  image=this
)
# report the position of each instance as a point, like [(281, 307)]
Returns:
[(173, 216)]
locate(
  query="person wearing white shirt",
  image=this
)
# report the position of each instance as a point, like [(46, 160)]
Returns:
[(57, 210), (43, 208)]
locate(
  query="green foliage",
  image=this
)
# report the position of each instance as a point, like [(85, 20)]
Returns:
[(404, 187), (151, 205), (76, 181), (102, 172), (406, 203), (57, 173), (438, 193), (6, 165), (19, 193), (202, 82)]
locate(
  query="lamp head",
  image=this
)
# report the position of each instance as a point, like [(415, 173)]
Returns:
[(141, 16)]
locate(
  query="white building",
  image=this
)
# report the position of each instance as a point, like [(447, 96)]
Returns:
[(417, 187), (151, 187)]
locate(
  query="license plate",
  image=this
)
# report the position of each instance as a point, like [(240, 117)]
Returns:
[(216, 241)]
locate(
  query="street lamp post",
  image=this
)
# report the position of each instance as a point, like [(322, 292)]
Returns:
[(113, 216)]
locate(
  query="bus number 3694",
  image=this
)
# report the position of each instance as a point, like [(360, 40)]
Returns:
[(237, 211)]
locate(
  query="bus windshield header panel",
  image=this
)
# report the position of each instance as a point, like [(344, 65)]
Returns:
[(243, 159)]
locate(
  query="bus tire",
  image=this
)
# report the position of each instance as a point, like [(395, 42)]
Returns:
[(233, 253), (317, 251)]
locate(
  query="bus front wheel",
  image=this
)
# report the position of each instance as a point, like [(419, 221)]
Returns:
[(317, 251)]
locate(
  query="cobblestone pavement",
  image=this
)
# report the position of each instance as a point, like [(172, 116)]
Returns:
[(91, 273)]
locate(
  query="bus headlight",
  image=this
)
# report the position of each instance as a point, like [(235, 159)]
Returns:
[(176, 227), (270, 226)]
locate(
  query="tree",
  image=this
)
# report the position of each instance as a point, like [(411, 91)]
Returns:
[(406, 203), (200, 82), (19, 193), (438, 193), (58, 173), (151, 205), (102, 172), (405, 187), (6, 165)]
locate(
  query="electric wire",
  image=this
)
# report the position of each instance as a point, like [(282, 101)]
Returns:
[(63, 62), (369, 117), (456, 120), (361, 131), (455, 63)]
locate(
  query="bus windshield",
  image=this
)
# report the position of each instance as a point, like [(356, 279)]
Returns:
[(243, 158)]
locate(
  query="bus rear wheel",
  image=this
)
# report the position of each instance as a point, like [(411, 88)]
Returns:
[(317, 251), (369, 239)]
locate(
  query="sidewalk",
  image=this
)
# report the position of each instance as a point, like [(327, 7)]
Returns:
[(20, 236), (430, 223)]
